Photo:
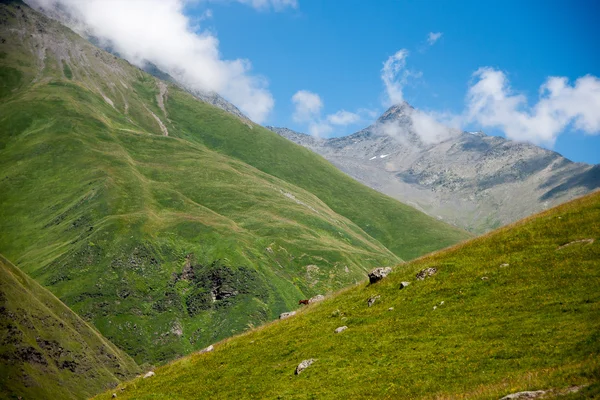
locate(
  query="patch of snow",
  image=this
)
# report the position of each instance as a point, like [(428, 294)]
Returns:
[(372, 158), (383, 155)]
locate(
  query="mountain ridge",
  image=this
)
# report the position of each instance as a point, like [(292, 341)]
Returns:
[(471, 180)]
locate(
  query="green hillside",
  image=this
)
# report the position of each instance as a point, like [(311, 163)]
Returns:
[(515, 310), (167, 223), (46, 350)]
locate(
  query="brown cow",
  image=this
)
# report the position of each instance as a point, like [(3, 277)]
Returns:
[(303, 302)]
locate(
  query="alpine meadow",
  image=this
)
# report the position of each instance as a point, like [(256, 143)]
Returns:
[(158, 242)]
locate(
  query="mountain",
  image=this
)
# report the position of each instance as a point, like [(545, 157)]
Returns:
[(164, 221), (46, 350), (66, 17), (468, 179), (515, 310)]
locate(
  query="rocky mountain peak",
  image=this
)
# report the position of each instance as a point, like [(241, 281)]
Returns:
[(398, 111)]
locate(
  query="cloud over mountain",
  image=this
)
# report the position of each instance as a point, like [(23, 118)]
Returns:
[(159, 32), (491, 103)]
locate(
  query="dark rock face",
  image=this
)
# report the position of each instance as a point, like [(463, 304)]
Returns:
[(213, 286), (378, 274)]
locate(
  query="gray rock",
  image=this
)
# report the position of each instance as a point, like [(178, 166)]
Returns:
[(114, 396), (304, 364), (468, 179), (373, 299), (286, 314), (404, 284), (149, 374), (525, 395), (391, 309), (378, 274), (207, 349), (316, 299), (426, 272), (504, 265), (582, 241), (341, 329)]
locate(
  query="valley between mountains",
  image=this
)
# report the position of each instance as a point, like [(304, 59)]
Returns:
[(142, 221), (166, 222)]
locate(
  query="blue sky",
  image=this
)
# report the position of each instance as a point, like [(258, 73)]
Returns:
[(336, 50), (528, 70)]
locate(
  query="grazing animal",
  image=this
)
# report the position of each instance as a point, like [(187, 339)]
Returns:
[(303, 302)]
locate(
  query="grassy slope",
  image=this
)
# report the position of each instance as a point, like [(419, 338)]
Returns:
[(405, 231), (104, 210), (46, 350), (533, 324)]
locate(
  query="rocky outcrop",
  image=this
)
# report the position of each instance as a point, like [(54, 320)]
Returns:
[(316, 299), (525, 395), (373, 299), (378, 274), (303, 365), (427, 272), (207, 349), (287, 314)]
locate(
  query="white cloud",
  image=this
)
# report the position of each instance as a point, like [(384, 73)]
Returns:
[(307, 104), (308, 107), (433, 37), (426, 126), (492, 103), (157, 31), (207, 14), (395, 76), (343, 118), (277, 5), (319, 129)]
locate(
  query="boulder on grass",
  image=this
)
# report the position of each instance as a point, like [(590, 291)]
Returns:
[(426, 273), (286, 314), (303, 365), (207, 349), (525, 395), (373, 299), (316, 299), (149, 374), (341, 329), (378, 274)]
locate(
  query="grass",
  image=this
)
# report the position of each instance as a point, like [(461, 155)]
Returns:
[(108, 213), (47, 351), (519, 312)]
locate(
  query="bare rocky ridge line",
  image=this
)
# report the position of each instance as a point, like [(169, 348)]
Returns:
[(472, 180)]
